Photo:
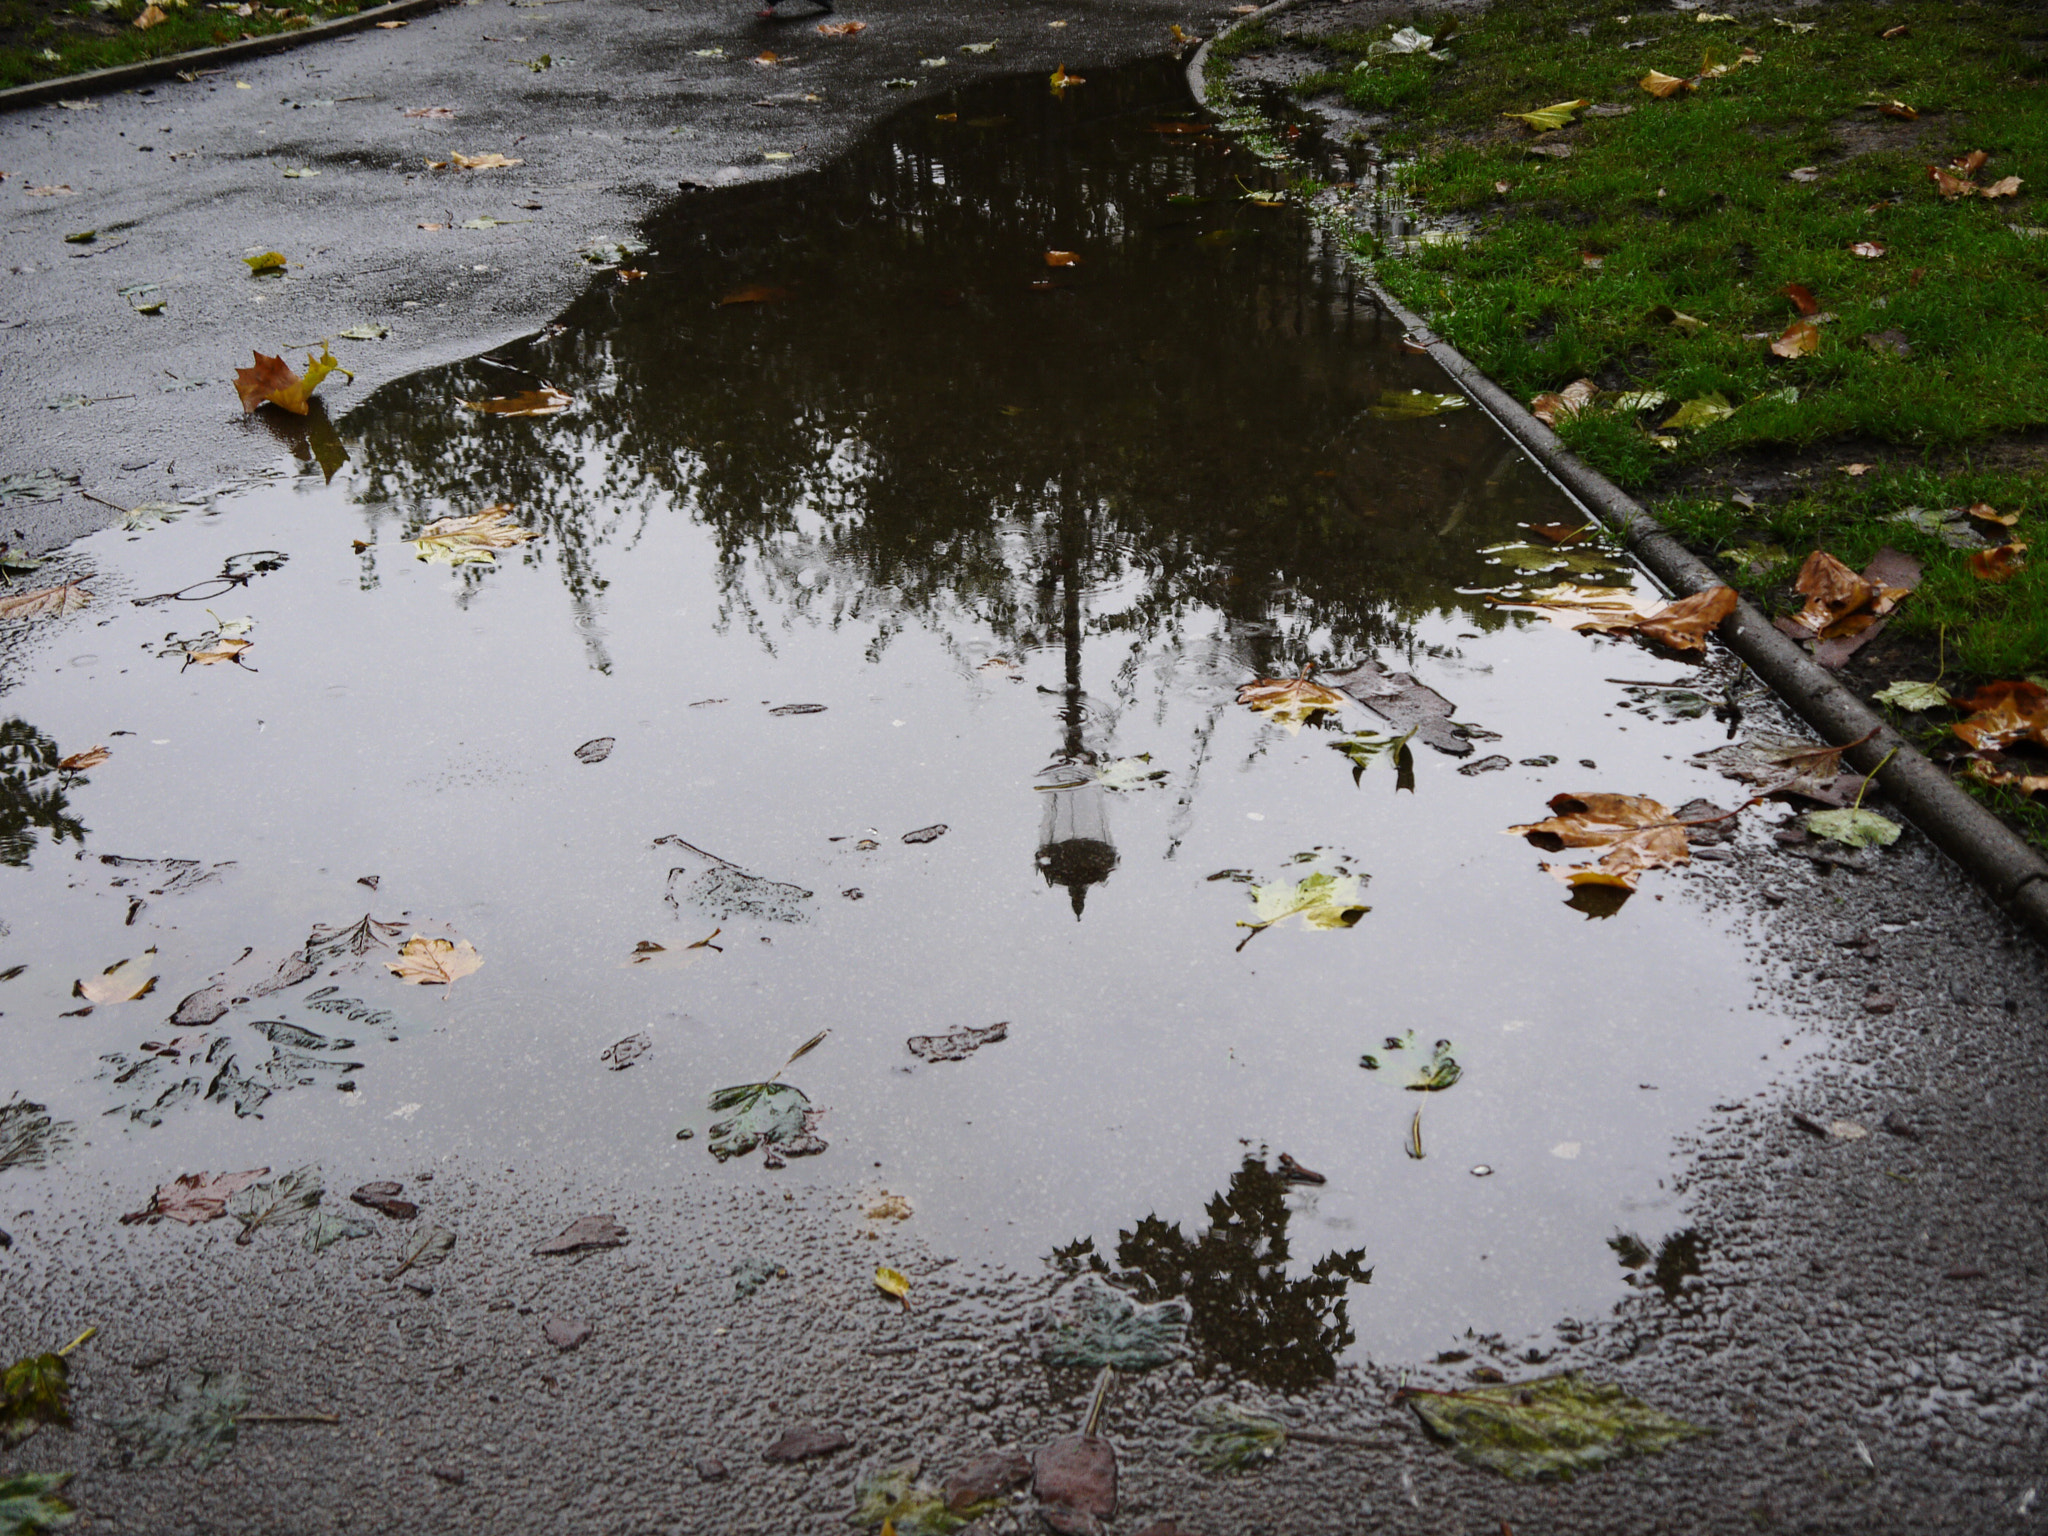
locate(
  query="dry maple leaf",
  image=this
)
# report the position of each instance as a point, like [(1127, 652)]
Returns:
[(754, 295), (1799, 338), (65, 599), (470, 540), (1950, 186), (1290, 701), (1832, 591), (1569, 401), (1685, 624), (2003, 713), (429, 962), (218, 652), (2000, 564), (1970, 164), (194, 1198), (1638, 833), (545, 401), (841, 28), (78, 762), (121, 982), (2005, 186), (271, 382)]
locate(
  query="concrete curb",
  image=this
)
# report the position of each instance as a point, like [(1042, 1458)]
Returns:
[(2015, 875), (121, 75)]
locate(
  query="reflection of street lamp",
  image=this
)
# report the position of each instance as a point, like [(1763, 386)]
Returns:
[(1074, 845)]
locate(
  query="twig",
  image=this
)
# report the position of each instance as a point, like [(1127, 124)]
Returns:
[(1644, 682), (1316, 1437), (287, 1418), (1094, 1418), (124, 511)]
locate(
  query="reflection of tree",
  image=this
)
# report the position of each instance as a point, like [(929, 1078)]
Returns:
[(31, 793), (902, 439), (1281, 1332)]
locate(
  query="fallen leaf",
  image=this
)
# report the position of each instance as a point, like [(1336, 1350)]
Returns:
[(1700, 411), (1061, 80), (2004, 776), (888, 1208), (1602, 610), (434, 962), (121, 982), (1412, 707), (1799, 338), (1290, 702), (1857, 471), (1802, 298), (1899, 110), (1639, 834), (1074, 1479), (45, 600), (1551, 1428), (777, 1117), (1661, 85), (1560, 533), (152, 16), (565, 1333), (271, 382), (424, 1251), (1684, 625), (2000, 564), (429, 111), (194, 1197), (326, 1228), (651, 954), (1805, 173), (893, 1282), (1415, 404), (545, 401), (754, 295), (328, 944), (78, 762), (1321, 901), (197, 1421), (2005, 186), (1062, 259), (1853, 827), (1787, 767), (623, 1053), (390, 26), (490, 162), (63, 191), (1545, 119), (1950, 186), (1833, 593), (958, 1045), (470, 540), (2002, 713), (896, 1501), (1984, 512), (803, 1442), (1869, 250), (34, 1391), (383, 1196), (269, 261), (1550, 409), (1916, 698), (1427, 1069), (280, 1202), (585, 1232), (841, 28), (1678, 319), (1229, 1438), (1095, 1325), (724, 891)]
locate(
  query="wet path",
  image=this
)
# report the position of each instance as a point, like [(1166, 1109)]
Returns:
[(1021, 529)]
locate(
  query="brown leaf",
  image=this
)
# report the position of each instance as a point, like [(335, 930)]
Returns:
[(1832, 591), (585, 1232), (1901, 30), (1638, 833), (2003, 713), (754, 295), (1290, 701), (1661, 85), (841, 28), (803, 1442), (1857, 471), (1062, 259), (1869, 250), (78, 762), (152, 16), (222, 651), (1573, 398), (1061, 80), (1984, 512), (1560, 533), (1076, 1473), (1899, 110), (545, 401), (429, 111), (2006, 776), (271, 382), (2005, 186), (2000, 564), (65, 599), (1685, 624), (1949, 186), (490, 162), (1970, 164), (1799, 338), (1802, 297), (434, 962), (194, 1198)]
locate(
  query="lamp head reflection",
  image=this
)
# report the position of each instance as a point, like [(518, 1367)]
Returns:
[(1074, 845)]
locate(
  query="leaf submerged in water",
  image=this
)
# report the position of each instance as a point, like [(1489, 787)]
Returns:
[(197, 1422), (1095, 1324), (1552, 1428)]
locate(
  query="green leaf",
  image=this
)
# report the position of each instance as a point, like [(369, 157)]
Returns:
[(1233, 1439), (1700, 411), (1096, 1325), (280, 1202), (1552, 1428), (196, 1422), (1916, 697), (1415, 404), (33, 1393), (1544, 119), (326, 1228), (29, 1503), (1321, 901), (914, 1508), (1853, 828), (776, 1116)]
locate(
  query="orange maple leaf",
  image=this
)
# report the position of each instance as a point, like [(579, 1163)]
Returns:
[(271, 382)]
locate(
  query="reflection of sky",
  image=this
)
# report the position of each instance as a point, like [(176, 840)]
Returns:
[(822, 503)]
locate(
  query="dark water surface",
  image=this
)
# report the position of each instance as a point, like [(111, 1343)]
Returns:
[(1009, 524)]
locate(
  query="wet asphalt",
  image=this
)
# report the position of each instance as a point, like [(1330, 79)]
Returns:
[(1868, 1335)]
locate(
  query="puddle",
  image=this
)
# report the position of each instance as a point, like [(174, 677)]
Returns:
[(912, 600)]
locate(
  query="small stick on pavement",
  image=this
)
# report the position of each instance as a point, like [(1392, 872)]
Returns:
[(124, 511), (287, 1418)]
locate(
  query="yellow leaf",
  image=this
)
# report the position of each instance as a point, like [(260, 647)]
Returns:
[(270, 382), (1061, 80), (1544, 119), (433, 962), (1660, 85), (269, 261), (894, 1282), (67, 599), (151, 16), (1700, 411), (470, 540), (490, 162), (122, 982), (1581, 607), (222, 650), (1290, 701)]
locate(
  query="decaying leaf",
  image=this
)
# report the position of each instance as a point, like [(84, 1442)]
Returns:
[(326, 1228), (29, 1137), (1229, 1438), (958, 1045), (458, 161), (34, 1391), (1603, 610), (470, 540), (194, 1197), (1095, 1325), (271, 382), (841, 28), (622, 1054), (423, 1250), (1868, 250), (1798, 339), (1638, 834), (656, 957), (326, 944), (777, 1117), (1787, 767), (1415, 404), (1853, 827), (1320, 900), (197, 1422), (545, 401), (1700, 411), (894, 1499), (724, 891), (280, 1202), (78, 762), (2005, 186), (1998, 565), (1545, 119), (429, 962), (1552, 408), (29, 1504), (1413, 708), (1661, 85), (1984, 512), (2003, 713), (1916, 698), (1552, 1428), (47, 600), (1290, 702), (268, 261), (2004, 775), (121, 982), (1834, 594), (1685, 624), (1074, 1479)]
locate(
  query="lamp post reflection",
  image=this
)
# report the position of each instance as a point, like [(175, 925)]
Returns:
[(1075, 848)]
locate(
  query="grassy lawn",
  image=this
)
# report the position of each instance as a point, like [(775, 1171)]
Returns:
[(46, 39), (1648, 247)]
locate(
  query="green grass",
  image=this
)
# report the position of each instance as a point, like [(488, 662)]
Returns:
[(49, 39)]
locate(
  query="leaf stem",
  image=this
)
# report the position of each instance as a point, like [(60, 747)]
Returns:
[(1867, 778), (79, 1340)]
